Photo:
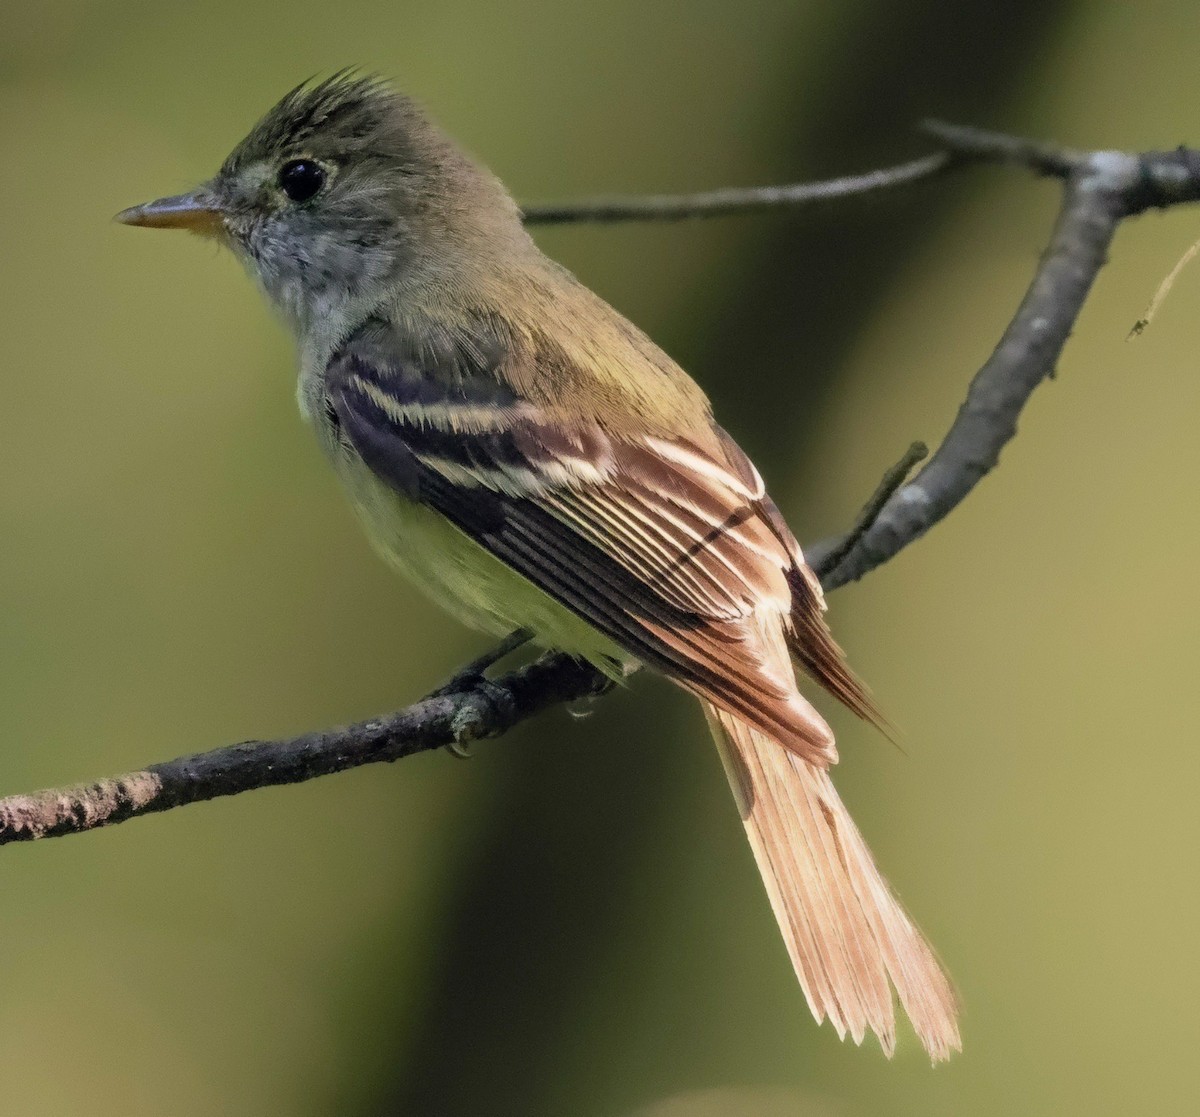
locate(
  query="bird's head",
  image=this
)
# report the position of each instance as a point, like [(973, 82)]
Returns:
[(339, 194)]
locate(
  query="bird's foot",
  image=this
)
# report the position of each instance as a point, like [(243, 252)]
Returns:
[(496, 701)]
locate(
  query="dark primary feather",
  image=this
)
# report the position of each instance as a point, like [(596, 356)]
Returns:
[(666, 550)]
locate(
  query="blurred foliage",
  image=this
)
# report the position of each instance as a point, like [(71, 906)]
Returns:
[(571, 923)]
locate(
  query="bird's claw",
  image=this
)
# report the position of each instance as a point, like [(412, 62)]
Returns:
[(493, 706)]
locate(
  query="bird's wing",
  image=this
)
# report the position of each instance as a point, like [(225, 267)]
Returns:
[(667, 550)]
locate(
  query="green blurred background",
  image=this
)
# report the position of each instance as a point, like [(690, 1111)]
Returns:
[(571, 923)]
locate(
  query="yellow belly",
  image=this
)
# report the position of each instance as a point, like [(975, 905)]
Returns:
[(468, 581)]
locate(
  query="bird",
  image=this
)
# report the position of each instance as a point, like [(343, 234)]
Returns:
[(533, 461)]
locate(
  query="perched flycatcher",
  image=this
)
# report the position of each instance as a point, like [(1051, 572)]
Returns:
[(532, 460)]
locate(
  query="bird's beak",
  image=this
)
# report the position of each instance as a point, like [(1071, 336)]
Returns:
[(198, 212)]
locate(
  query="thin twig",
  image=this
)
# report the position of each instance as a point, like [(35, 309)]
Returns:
[(468, 676), (996, 147), (1100, 190), (825, 557), (721, 203), (1164, 289)]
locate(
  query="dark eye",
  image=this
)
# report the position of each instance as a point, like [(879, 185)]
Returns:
[(301, 179)]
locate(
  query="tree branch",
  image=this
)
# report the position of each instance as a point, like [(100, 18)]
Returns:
[(485, 708), (1100, 189), (722, 203), (827, 555)]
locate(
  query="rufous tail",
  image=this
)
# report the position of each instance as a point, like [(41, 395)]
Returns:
[(849, 939)]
